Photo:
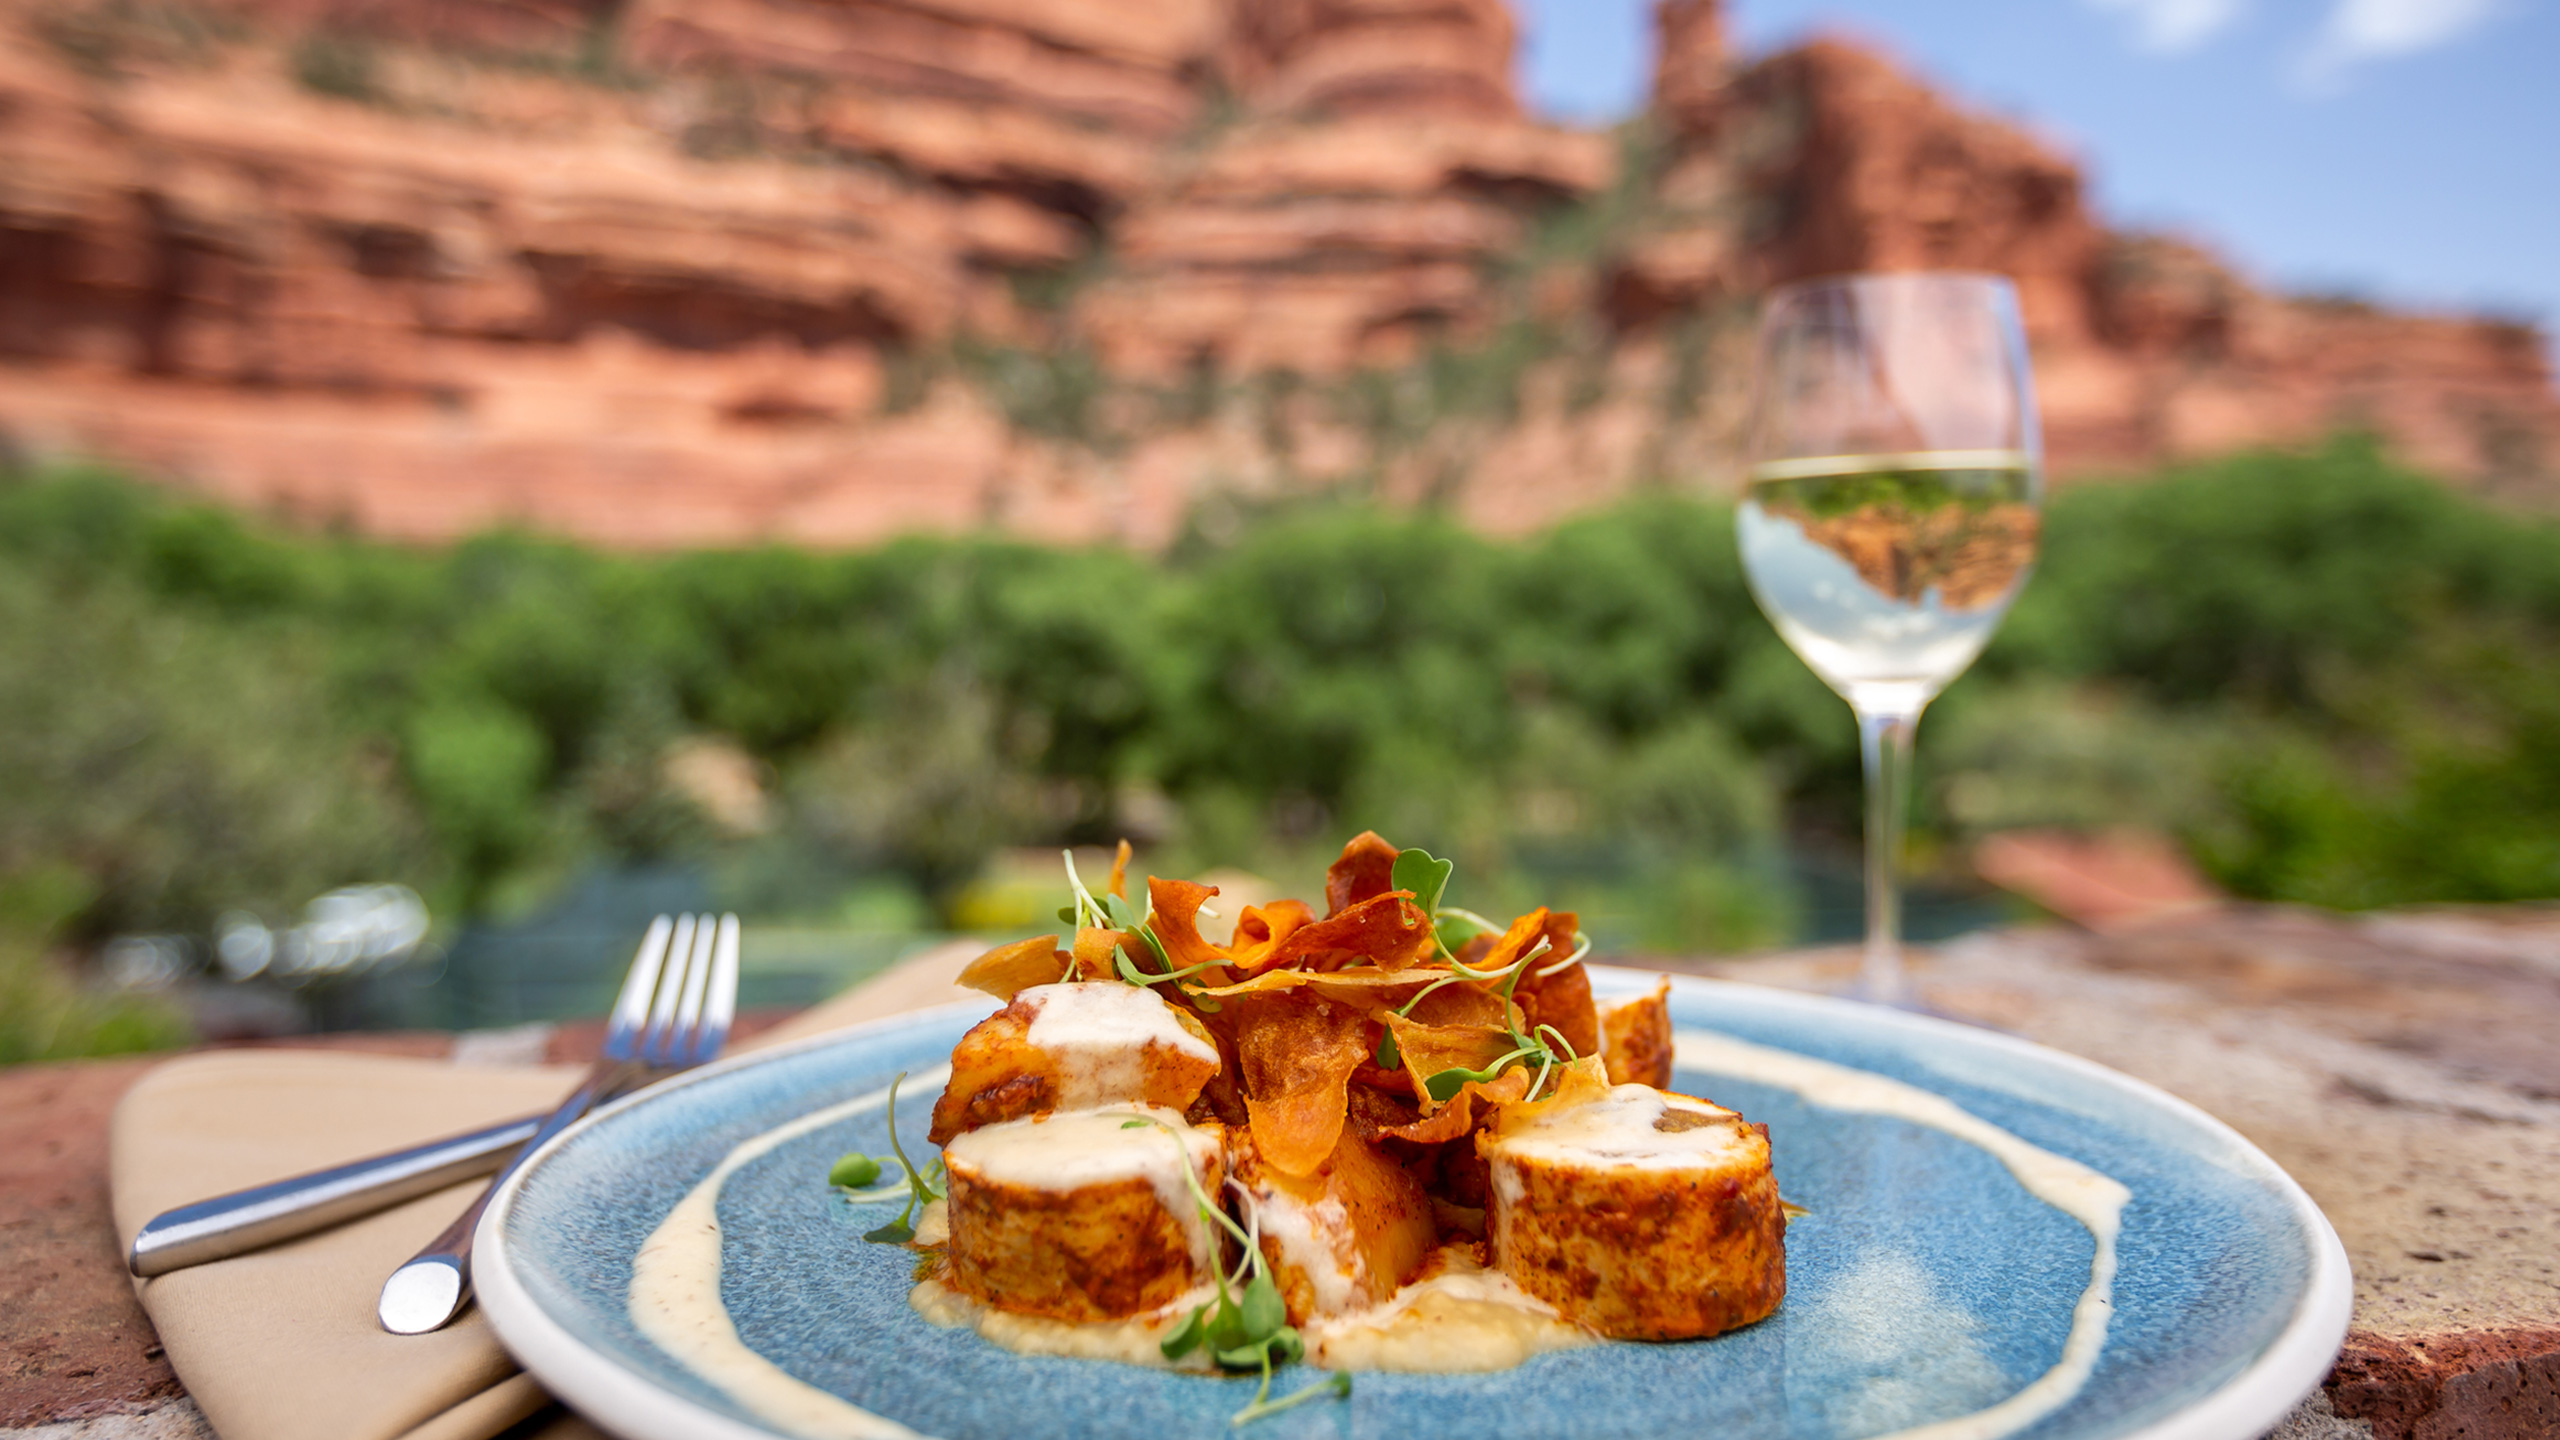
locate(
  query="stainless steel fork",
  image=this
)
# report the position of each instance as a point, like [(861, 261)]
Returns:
[(695, 995), (269, 1214)]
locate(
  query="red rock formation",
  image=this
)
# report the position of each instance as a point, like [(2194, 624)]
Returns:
[(1383, 165), (1341, 58), (1690, 65), (699, 271), (1064, 102), (1319, 247)]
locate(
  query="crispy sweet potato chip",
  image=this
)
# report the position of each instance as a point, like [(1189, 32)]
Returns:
[(1430, 1049), (1296, 1050), (1261, 929), (1386, 930), (1563, 998), (1008, 970), (1367, 990), (1459, 1116), (1514, 942), (1093, 953), (1460, 1004), (1177, 921), (1365, 870), (1120, 871)]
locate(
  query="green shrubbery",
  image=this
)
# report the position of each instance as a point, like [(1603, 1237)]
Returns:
[(2332, 679)]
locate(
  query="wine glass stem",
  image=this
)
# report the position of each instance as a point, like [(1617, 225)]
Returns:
[(1884, 737)]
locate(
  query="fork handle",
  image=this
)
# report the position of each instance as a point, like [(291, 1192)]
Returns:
[(263, 1215), (427, 1292)]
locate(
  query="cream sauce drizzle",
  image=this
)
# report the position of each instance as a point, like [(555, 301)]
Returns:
[(1618, 1131), (1098, 1036), (2097, 1201), (675, 1293), (1459, 1317)]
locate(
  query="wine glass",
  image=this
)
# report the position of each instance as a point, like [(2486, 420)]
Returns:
[(1890, 513)]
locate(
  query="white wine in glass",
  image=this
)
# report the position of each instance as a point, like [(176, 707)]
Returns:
[(1890, 513)]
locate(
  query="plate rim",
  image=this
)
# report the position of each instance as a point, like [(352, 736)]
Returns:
[(634, 1404)]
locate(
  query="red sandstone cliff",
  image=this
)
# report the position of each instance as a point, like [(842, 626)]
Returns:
[(700, 271)]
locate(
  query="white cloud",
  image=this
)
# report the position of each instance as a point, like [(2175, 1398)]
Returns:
[(2362, 28), (2170, 26)]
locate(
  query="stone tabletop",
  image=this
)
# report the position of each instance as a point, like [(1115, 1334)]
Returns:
[(2404, 1067)]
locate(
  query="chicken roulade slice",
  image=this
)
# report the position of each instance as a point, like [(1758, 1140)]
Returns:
[(1073, 1046), (1082, 1215), (1638, 1214), (1635, 1038)]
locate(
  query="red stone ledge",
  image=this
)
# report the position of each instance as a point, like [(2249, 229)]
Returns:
[(2460, 1385)]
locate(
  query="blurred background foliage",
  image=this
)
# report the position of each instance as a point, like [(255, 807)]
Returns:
[(2331, 680)]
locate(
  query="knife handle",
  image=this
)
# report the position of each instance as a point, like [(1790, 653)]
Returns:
[(263, 1215)]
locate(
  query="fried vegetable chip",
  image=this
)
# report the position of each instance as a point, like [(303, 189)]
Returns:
[(1459, 1004), (1385, 930), (1008, 970), (1365, 989), (1120, 871), (1093, 953), (1262, 928), (1365, 871), (1297, 1051), (1429, 1050), (1475, 1099), (1515, 942), (1561, 997), (1177, 921)]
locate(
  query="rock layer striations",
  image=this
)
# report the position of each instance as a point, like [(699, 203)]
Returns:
[(669, 272)]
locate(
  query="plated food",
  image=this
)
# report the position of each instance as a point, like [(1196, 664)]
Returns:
[(1394, 1137)]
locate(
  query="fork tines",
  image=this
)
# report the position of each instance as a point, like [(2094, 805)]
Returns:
[(681, 993)]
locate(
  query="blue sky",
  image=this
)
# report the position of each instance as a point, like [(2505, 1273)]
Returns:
[(2405, 150)]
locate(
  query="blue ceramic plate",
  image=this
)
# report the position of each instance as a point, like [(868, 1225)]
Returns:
[(1951, 1278)]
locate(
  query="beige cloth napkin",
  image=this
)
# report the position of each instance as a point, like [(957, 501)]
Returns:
[(282, 1344)]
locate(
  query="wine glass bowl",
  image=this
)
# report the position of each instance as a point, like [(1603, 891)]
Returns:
[(1890, 511)]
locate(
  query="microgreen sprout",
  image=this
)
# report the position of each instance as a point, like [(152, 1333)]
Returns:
[(1249, 1330), (1085, 912), (1468, 925), (1581, 947), (1114, 912), (1338, 1383), (920, 1191), (1426, 878)]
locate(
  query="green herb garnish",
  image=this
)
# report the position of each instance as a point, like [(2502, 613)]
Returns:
[(1245, 1331), (1425, 876), (1114, 912), (1338, 1383), (920, 1191)]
